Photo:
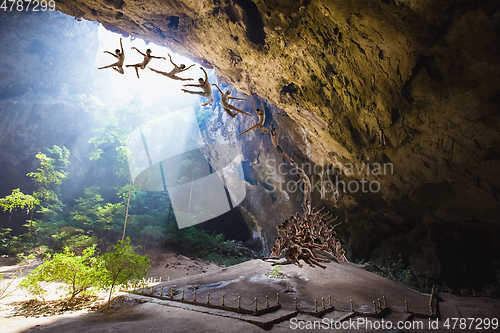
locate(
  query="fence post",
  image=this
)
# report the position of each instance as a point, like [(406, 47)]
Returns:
[(278, 298), (323, 302), (352, 305), (239, 302), (171, 292), (152, 290), (160, 278), (182, 294), (379, 304), (195, 295), (222, 299), (329, 300), (430, 301), (374, 307), (267, 300), (316, 305), (161, 291), (383, 298), (406, 306), (255, 303), (208, 298), (295, 300)]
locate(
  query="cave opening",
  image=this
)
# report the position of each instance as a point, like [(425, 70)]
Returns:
[(94, 113)]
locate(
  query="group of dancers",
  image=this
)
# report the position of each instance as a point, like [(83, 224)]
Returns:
[(206, 92), (310, 238)]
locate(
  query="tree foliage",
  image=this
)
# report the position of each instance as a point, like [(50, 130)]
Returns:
[(151, 233), (88, 273), (122, 266), (18, 200), (47, 173), (105, 198), (79, 273)]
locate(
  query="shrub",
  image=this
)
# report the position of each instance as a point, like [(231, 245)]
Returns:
[(79, 273), (275, 272), (122, 266)]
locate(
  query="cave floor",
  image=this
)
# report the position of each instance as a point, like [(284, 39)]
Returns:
[(249, 280)]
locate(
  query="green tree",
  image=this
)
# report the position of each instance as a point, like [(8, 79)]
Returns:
[(151, 233), (84, 214), (20, 200), (51, 172), (79, 273), (4, 237), (78, 243), (47, 173), (123, 266)]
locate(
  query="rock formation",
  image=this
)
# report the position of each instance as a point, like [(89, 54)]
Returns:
[(409, 84)]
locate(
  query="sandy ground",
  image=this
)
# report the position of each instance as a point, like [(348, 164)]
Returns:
[(342, 282)]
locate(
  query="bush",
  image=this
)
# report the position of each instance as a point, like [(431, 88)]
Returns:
[(212, 247), (18, 245), (122, 266), (79, 273), (85, 274), (275, 273), (401, 272), (78, 243)]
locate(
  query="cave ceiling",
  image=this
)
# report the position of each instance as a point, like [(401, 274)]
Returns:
[(408, 83), (413, 84)]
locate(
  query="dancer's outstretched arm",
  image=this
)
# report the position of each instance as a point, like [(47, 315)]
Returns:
[(218, 88), (251, 128), (158, 57), (114, 55), (193, 85), (206, 75), (135, 48), (171, 60), (185, 69)]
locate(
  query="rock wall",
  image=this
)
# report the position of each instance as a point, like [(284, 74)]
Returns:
[(41, 94), (412, 84)]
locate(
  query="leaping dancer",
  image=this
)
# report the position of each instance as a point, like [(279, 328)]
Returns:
[(307, 190), (120, 56), (274, 139), (228, 107), (205, 85), (145, 62), (259, 127), (176, 70)]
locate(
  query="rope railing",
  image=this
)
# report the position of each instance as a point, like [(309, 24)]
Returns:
[(267, 303), (215, 298), (261, 302), (244, 303)]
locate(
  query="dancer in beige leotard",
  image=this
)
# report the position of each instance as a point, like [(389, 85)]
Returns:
[(145, 62)]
